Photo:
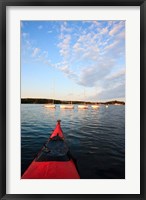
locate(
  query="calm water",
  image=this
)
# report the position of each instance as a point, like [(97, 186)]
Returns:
[(96, 138)]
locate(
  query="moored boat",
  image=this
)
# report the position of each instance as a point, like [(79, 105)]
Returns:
[(95, 106), (67, 106), (54, 161), (50, 106), (82, 106)]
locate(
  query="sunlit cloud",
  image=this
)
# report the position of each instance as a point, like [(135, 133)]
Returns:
[(116, 28)]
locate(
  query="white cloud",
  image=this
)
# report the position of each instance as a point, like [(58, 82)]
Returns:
[(65, 69), (64, 27), (77, 48), (42, 56), (111, 46), (116, 28), (92, 57), (104, 31), (86, 46), (24, 34), (121, 35), (35, 52), (68, 72), (64, 46), (95, 74), (114, 92), (26, 44), (96, 23), (116, 75)]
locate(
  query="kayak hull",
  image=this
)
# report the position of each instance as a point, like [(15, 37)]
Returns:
[(51, 170), (54, 161)]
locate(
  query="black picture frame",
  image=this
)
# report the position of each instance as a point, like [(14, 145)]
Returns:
[(3, 124)]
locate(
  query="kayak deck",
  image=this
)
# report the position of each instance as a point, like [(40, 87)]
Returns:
[(54, 161), (54, 150)]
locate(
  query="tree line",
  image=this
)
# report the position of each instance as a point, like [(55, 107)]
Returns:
[(47, 101)]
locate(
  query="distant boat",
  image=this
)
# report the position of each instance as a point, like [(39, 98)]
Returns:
[(51, 105), (67, 106), (95, 106), (117, 104), (106, 106), (83, 106)]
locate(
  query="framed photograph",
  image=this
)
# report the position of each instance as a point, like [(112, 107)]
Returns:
[(72, 99)]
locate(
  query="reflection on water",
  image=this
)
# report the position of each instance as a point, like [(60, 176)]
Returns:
[(96, 137)]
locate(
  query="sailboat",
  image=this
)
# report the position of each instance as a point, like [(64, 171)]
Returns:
[(67, 106), (95, 106), (83, 106), (50, 105)]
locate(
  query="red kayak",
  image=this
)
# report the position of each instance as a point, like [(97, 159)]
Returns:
[(54, 161)]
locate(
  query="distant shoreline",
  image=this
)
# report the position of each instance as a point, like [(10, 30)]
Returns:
[(47, 101)]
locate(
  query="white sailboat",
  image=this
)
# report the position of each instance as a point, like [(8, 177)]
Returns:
[(83, 106), (95, 106), (67, 106), (50, 105)]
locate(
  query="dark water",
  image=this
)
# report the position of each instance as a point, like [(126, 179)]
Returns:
[(96, 138)]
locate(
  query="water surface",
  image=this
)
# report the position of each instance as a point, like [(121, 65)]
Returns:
[(96, 137)]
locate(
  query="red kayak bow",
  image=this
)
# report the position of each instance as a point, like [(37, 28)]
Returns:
[(57, 131), (54, 161)]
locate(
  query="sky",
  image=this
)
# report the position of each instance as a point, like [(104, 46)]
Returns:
[(73, 60)]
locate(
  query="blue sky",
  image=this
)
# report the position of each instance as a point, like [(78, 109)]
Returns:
[(73, 60)]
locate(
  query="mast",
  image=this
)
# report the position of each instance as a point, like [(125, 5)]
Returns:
[(84, 95), (53, 91)]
